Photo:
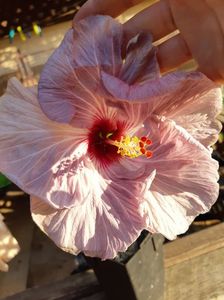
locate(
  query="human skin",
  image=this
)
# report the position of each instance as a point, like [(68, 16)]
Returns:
[(200, 23)]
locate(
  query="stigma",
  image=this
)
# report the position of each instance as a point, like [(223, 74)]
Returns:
[(132, 147)]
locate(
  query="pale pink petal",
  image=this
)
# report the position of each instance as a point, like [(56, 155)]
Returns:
[(198, 116), (140, 62), (160, 91), (98, 41), (70, 81), (37, 154), (185, 184), (102, 226), (191, 99)]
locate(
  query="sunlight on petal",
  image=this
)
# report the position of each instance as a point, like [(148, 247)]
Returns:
[(9, 247)]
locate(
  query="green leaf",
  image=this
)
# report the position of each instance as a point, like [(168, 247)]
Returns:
[(4, 181), (221, 138)]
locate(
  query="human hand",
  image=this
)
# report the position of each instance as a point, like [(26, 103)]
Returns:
[(201, 26)]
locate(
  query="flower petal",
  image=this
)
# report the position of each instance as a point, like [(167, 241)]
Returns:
[(198, 116), (140, 61), (98, 42), (159, 92), (189, 98), (70, 81), (37, 154), (185, 184), (102, 226)]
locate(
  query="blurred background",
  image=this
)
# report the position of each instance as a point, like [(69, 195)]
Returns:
[(29, 31)]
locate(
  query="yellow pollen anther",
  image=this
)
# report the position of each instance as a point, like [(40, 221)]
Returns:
[(132, 146)]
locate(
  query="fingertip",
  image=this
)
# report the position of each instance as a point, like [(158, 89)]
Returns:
[(212, 73), (112, 8), (83, 12), (173, 53)]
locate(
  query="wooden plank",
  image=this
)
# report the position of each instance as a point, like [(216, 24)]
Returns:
[(48, 263), (15, 208), (199, 278), (194, 266), (83, 286), (194, 245)]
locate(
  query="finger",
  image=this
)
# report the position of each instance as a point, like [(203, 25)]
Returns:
[(156, 19), (201, 30), (218, 7), (112, 8), (173, 53)]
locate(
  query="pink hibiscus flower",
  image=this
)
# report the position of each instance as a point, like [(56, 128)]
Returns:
[(107, 147)]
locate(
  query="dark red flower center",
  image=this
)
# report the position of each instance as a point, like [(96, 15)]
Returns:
[(101, 132)]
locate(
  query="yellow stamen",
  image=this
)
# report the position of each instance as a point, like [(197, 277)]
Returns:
[(131, 146)]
